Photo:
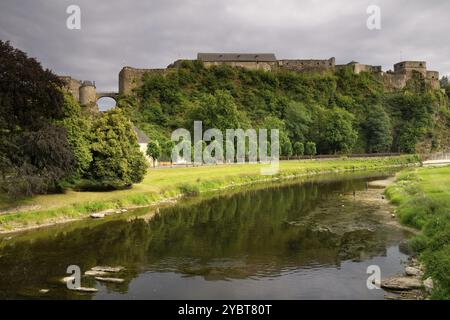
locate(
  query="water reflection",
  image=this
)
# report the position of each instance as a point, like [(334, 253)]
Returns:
[(300, 233)]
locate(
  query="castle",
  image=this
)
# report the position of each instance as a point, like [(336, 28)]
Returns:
[(130, 78)]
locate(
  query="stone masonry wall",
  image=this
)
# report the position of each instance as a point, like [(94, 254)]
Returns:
[(308, 65), (131, 78), (72, 85)]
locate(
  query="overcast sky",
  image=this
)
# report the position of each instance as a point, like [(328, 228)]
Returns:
[(152, 34)]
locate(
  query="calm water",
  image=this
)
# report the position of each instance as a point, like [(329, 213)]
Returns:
[(309, 240)]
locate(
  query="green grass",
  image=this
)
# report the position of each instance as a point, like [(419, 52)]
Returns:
[(170, 182), (423, 199)]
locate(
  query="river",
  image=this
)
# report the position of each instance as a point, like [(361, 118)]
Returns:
[(295, 240)]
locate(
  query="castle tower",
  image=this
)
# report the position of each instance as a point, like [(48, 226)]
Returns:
[(88, 94)]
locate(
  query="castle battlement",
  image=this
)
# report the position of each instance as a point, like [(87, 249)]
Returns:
[(405, 71), (131, 78)]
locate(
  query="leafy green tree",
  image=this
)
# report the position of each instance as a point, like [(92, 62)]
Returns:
[(338, 133), (408, 138), (412, 117), (299, 149), (286, 146), (378, 130), (311, 149), (35, 155), (298, 120), (78, 128), (154, 151), (167, 149), (218, 111), (117, 159)]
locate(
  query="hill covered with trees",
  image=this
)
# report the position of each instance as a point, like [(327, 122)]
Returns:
[(340, 112)]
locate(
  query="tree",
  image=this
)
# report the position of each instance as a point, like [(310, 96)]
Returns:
[(117, 159), (35, 155), (408, 138), (297, 120), (286, 146), (378, 130), (78, 130), (445, 84), (218, 111), (299, 149), (154, 151), (338, 134), (413, 116), (310, 149), (167, 148)]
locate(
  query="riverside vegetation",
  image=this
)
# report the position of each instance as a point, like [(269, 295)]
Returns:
[(162, 184), (422, 195), (339, 112)]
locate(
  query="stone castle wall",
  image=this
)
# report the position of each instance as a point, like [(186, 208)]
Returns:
[(250, 65), (88, 94), (408, 67), (405, 71), (131, 78), (394, 81), (72, 85), (432, 78), (310, 65)]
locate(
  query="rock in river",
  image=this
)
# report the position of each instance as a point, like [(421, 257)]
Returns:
[(401, 283), (429, 285), (108, 269), (87, 290), (413, 272), (97, 215), (111, 280), (92, 273)]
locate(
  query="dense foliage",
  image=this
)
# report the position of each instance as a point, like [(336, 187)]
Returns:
[(34, 152), (341, 113), (46, 140), (105, 148), (117, 161), (422, 196)]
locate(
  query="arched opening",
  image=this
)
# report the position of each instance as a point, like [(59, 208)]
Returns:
[(106, 103)]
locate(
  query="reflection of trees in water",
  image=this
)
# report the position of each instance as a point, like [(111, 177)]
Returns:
[(237, 236)]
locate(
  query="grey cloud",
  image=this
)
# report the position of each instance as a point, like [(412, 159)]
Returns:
[(155, 33)]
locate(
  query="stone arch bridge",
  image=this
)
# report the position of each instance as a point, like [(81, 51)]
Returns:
[(85, 92), (113, 95)]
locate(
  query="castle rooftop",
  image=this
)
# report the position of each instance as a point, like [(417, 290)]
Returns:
[(243, 57)]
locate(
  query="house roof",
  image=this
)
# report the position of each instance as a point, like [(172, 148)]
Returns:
[(246, 57), (141, 136)]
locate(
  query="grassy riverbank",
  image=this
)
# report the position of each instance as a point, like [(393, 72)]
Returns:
[(423, 197), (160, 184)]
